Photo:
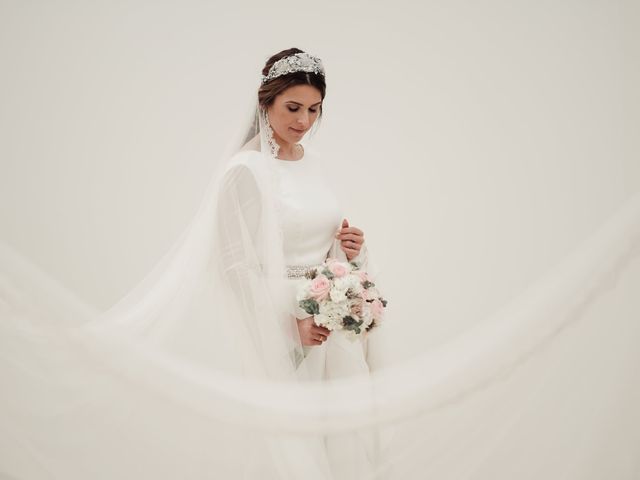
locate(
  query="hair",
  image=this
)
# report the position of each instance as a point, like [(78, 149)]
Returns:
[(270, 90)]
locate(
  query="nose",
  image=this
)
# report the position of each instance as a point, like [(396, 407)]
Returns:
[(303, 120)]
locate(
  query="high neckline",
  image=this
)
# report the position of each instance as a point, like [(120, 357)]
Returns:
[(287, 160)]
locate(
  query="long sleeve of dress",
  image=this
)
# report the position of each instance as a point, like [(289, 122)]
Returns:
[(249, 261), (239, 245)]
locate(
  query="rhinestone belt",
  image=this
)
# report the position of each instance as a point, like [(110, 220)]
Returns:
[(295, 271)]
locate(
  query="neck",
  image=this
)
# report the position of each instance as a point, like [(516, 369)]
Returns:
[(288, 150)]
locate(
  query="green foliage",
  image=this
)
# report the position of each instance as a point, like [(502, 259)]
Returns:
[(310, 306), (327, 273), (350, 323)]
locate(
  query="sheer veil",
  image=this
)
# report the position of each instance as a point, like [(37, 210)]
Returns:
[(196, 372)]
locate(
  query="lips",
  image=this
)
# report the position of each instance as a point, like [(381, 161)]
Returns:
[(299, 132)]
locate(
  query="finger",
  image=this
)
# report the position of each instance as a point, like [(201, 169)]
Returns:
[(321, 331), (351, 244), (354, 230), (356, 239), (316, 342), (351, 237), (348, 250)]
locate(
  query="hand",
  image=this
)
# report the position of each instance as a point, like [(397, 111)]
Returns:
[(351, 240), (310, 333)]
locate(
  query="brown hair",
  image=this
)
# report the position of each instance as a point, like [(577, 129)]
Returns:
[(270, 90)]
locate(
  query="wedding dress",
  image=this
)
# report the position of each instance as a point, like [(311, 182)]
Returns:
[(311, 216)]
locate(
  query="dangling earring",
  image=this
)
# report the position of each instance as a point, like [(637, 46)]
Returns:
[(273, 145)]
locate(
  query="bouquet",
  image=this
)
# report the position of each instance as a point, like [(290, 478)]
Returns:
[(341, 296)]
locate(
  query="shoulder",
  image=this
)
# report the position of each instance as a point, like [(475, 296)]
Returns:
[(242, 171), (247, 159), (246, 162), (311, 152)]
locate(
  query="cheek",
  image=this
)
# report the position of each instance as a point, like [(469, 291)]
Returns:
[(286, 118), (279, 122)]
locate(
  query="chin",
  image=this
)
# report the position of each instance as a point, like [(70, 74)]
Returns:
[(294, 137)]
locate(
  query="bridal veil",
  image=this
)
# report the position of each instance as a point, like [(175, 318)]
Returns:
[(194, 373)]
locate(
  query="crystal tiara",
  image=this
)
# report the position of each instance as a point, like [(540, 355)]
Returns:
[(298, 62)]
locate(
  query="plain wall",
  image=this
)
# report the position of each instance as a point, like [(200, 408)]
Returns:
[(478, 142)]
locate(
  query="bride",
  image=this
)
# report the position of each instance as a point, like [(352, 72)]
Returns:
[(309, 218)]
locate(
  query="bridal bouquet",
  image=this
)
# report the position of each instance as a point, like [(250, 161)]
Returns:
[(341, 297)]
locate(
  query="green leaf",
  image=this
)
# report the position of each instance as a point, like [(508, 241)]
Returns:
[(350, 323), (327, 273), (310, 306)]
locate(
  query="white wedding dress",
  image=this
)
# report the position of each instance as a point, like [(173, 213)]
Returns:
[(310, 216)]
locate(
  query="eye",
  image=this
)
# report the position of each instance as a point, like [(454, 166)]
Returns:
[(293, 109), (312, 110)]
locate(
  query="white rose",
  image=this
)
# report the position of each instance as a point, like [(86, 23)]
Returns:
[(338, 295), (333, 309), (322, 320), (347, 282), (304, 291)]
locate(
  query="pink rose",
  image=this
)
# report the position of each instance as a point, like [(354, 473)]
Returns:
[(377, 308), (320, 287), (357, 308), (363, 275), (338, 269)]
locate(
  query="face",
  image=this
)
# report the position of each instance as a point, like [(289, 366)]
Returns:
[(293, 112)]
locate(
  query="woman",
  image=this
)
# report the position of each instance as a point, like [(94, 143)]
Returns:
[(310, 229)]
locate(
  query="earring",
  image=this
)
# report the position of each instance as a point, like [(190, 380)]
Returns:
[(273, 145)]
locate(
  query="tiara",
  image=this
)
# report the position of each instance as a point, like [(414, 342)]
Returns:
[(298, 62)]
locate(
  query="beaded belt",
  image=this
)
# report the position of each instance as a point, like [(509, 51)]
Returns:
[(295, 271)]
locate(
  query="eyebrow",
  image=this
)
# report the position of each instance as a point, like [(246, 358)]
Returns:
[(291, 101)]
